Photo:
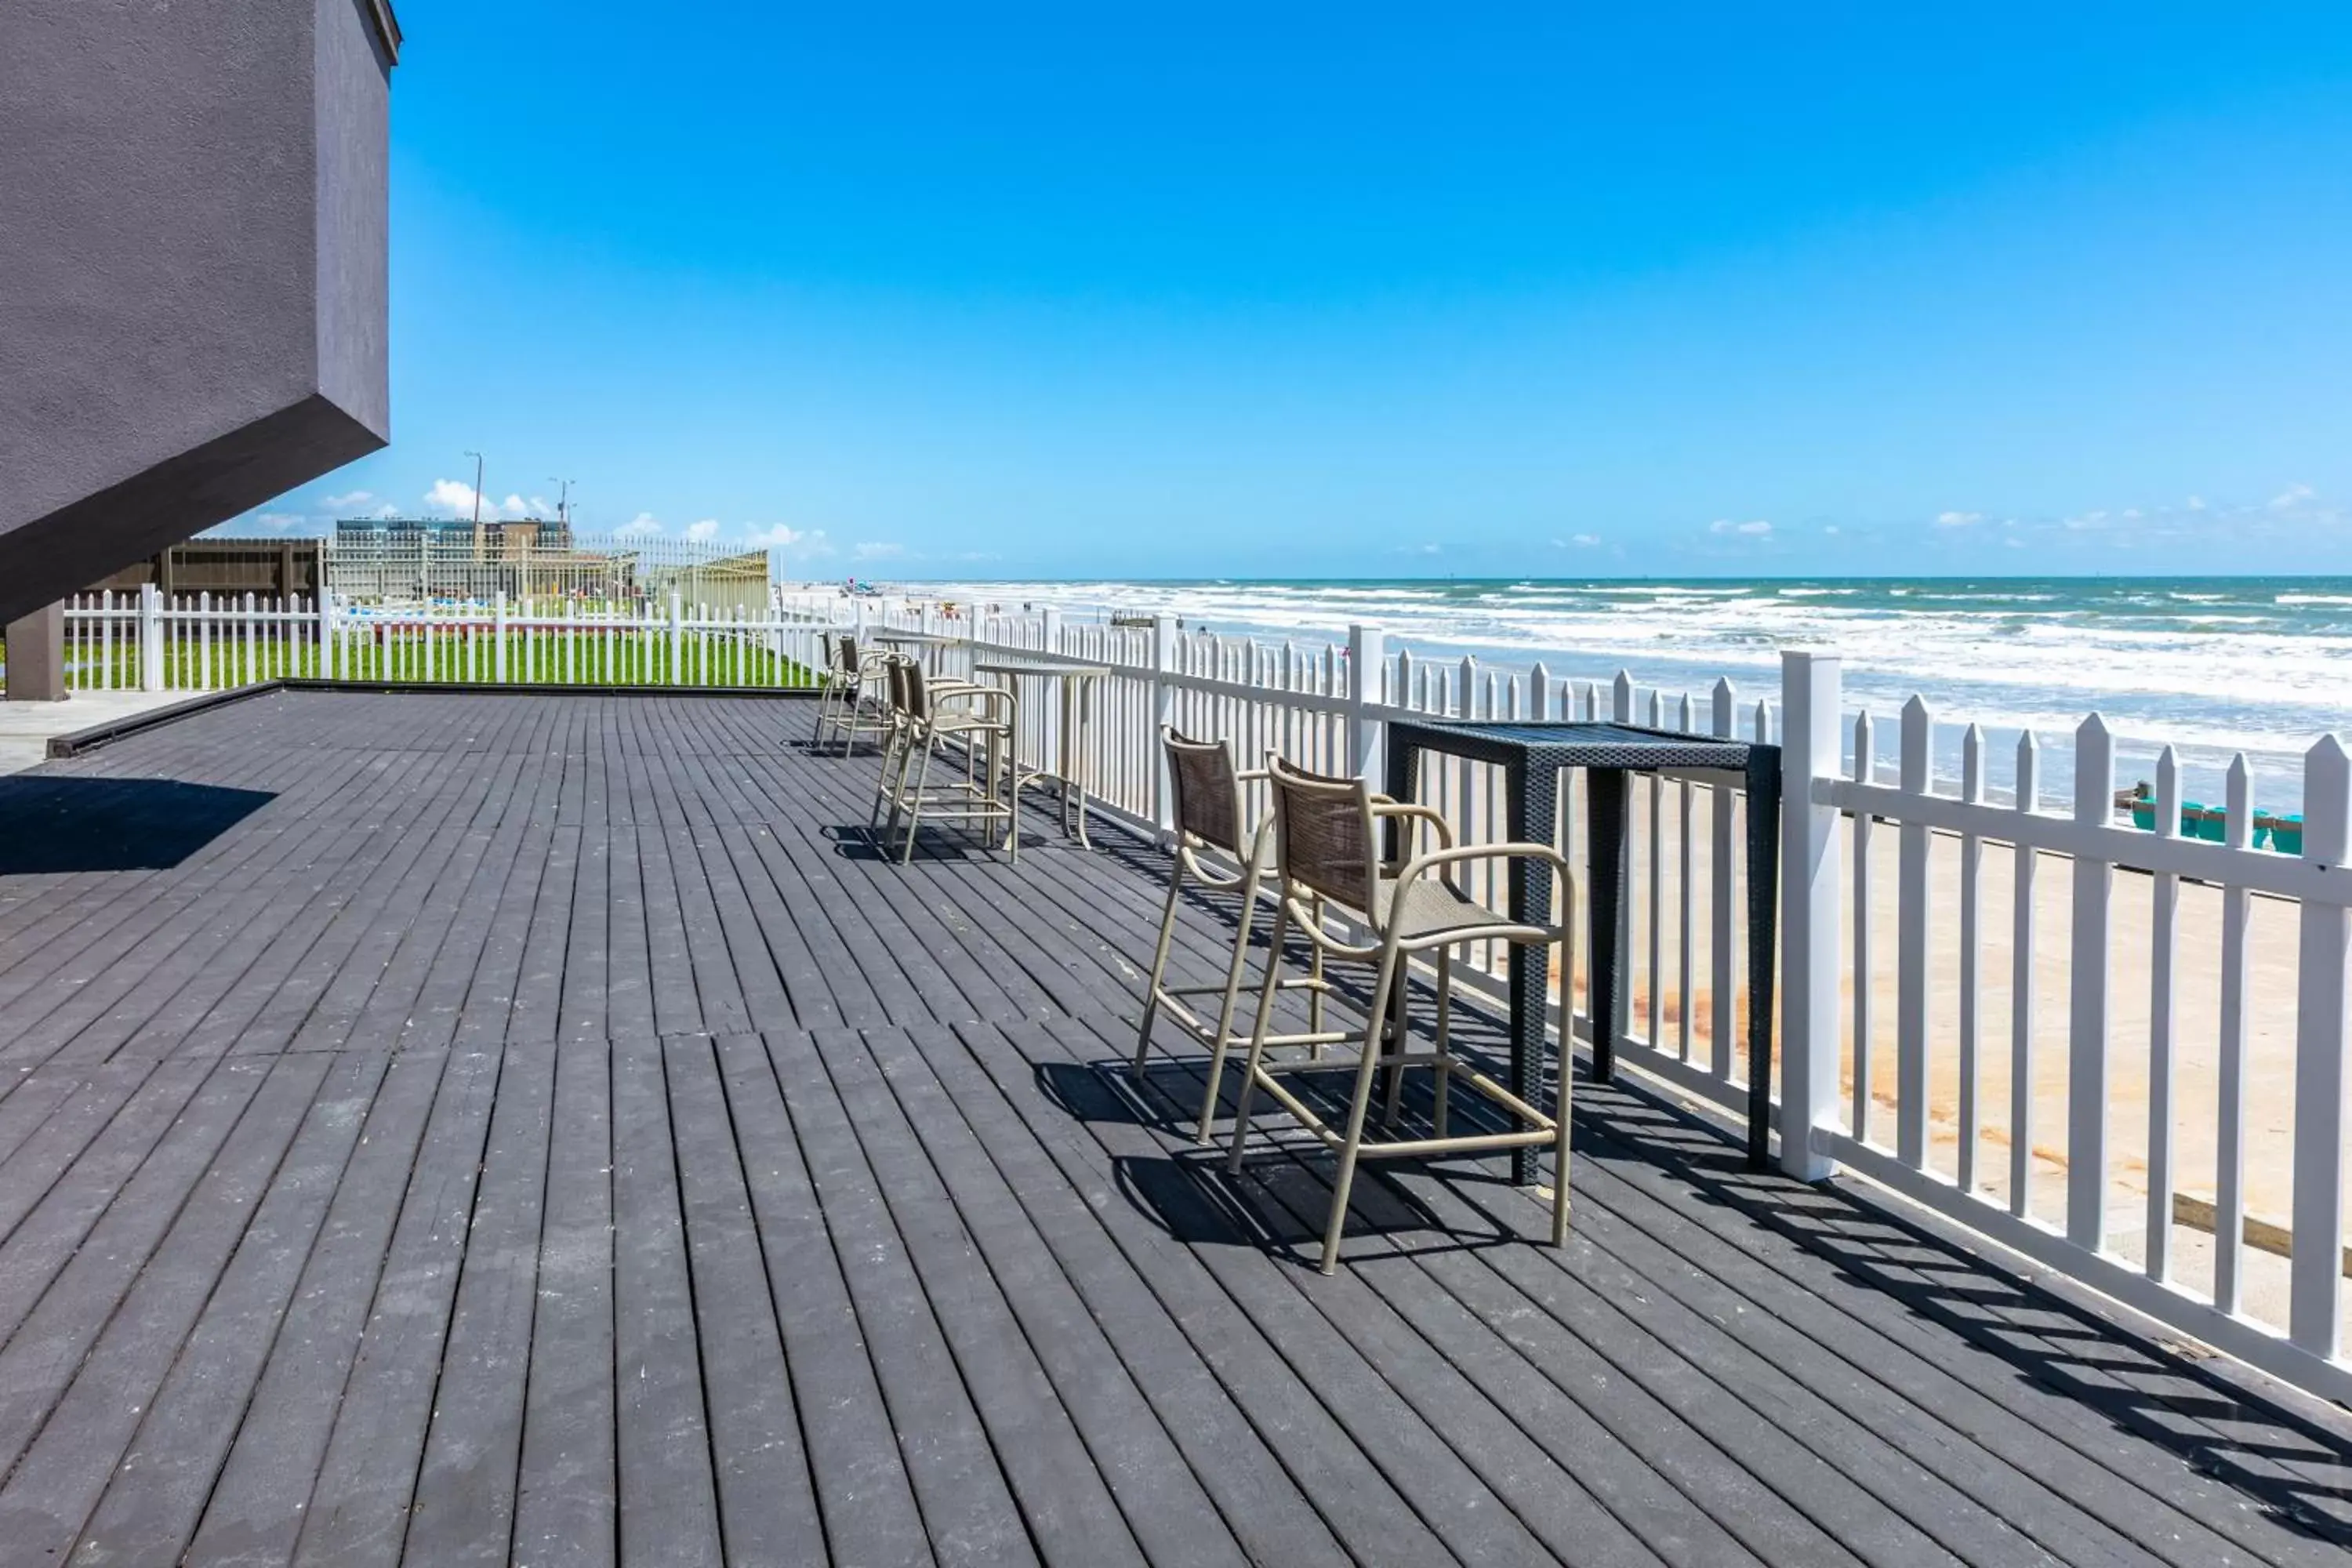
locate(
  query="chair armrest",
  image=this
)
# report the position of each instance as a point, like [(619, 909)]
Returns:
[(991, 694), (1421, 865), (1383, 806)]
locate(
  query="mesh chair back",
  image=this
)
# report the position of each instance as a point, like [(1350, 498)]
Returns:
[(1208, 797), (1323, 834), (917, 691)]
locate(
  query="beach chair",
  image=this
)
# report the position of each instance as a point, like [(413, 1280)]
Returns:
[(979, 719), (856, 699), (1211, 821), (1326, 838)]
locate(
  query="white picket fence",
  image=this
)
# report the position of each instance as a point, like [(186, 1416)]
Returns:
[(138, 641), (2171, 1135)]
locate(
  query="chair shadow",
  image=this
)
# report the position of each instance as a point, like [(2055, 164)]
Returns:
[(52, 826), (1274, 1205), (937, 846), (1279, 1200), (2297, 1467)]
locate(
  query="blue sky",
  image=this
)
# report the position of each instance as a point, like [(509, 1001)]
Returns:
[(1558, 290)]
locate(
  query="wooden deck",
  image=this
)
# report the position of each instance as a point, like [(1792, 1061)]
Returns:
[(455, 1129)]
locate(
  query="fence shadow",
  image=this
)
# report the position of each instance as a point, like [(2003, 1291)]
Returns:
[(51, 825), (2299, 1468)]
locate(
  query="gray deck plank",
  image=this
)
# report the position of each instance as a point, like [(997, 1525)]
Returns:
[(155, 1495), (669, 1503), (862, 1487), (465, 1506), (107, 1333), (359, 1511), (163, 949), (968, 1506), (1072, 1516), (255, 1507), (566, 1509), (765, 1494), (1128, 1442)]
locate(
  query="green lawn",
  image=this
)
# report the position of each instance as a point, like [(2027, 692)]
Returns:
[(395, 651)]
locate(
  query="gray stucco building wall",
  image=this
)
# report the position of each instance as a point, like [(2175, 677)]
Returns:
[(193, 235)]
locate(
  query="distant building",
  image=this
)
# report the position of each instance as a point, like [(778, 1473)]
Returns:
[(227, 568), (411, 561)]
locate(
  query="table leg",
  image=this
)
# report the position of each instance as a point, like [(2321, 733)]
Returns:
[(1403, 769), (1604, 844), (1530, 809), (1763, 909)]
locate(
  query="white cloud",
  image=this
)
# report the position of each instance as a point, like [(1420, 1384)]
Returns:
[(1958, 519), (1577, 542), (876, 550), (2196, 503), (638, 527), (2293, 495), (2082, 521), (455, 498), (1756, 530), (1833, 528), (348, 504), (784, 536), (279, 522), (707, 529), (451, 496)]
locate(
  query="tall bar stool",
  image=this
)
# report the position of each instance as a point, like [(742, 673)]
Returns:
[(1327, 833), (856, 694), (983, 720), (1210, 817)]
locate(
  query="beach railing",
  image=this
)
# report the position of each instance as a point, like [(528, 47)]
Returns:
[(2182, 1018)]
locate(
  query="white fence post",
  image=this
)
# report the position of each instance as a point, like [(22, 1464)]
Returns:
[(677, 639), (1810, 687), (2319, 1048), (2022, 986), (1163, 713), (1913, 888), (1367, 653), (1723, 868), (326, 670), (151, 638), (499, 643), (2086, 1033)]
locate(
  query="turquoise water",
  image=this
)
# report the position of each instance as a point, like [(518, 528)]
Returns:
[(2211, 665)]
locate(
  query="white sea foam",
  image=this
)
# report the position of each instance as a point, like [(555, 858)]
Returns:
[(2208, 666)]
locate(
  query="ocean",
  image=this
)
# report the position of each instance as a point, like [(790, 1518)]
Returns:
[(2213, 666)]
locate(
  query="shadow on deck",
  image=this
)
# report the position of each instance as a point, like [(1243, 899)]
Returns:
[(531, 1130)]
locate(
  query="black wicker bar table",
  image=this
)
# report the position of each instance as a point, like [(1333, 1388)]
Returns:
[(1532, 757)]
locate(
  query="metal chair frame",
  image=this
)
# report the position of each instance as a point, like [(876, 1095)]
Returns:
[(856, 700), (1210, 817), (984, 720), (1309, 807)]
